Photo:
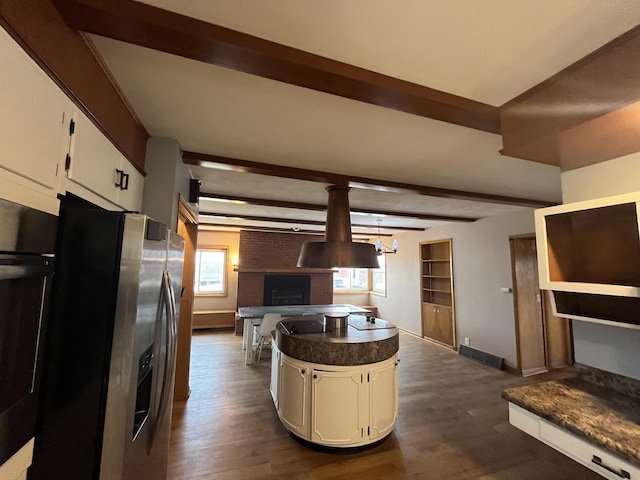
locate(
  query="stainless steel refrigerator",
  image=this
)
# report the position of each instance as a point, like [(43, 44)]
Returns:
[(111, 349)]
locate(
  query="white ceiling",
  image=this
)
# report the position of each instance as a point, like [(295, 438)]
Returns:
[(485, 51)]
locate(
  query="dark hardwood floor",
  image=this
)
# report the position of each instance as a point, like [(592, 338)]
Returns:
[(452, 424)]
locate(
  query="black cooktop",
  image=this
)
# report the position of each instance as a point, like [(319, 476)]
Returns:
[(297, 327)]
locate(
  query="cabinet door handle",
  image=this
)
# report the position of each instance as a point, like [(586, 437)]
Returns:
[(621, 473), (125, 181), (315, 376), (303, 371), (118, 181)]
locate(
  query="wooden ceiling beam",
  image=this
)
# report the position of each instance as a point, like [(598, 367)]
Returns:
[(258, 218), (248, 166), (585, 114), (261, 228), (263, 202), (165, 31)]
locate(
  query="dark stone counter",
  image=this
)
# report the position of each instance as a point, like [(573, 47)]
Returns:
[(346, 346), (599, 406)]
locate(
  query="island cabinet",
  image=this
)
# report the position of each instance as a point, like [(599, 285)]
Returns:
[(332, 405), (438, 318), (589, 258)]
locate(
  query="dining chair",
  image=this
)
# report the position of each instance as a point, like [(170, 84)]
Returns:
[(267, 325)]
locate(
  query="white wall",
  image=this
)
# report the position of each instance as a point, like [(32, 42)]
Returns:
[(481, 266), (231, 240), (615, 349), (167, 176)]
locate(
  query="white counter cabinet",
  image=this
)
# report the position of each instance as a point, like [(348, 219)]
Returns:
[(591, 456), (335, 406)]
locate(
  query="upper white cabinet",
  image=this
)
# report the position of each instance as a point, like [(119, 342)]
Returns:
[(43, 135), (97, 165), (589, 257), (34, 120)]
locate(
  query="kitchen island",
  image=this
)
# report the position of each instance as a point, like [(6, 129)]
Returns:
[(336, 388)]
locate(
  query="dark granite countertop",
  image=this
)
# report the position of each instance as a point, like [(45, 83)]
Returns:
[(595, 405), (347, 346)]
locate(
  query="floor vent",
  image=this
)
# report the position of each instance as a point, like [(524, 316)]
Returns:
[(479, 356)]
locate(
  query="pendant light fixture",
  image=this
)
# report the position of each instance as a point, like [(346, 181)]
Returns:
[(338, 249), (381, 248)]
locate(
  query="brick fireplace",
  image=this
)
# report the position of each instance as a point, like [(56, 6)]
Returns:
[(275, 254)]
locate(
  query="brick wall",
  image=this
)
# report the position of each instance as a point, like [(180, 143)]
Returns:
[(265, 250)]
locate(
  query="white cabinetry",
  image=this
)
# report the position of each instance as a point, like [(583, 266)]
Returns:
[(383, 399), (98, 166), (275, 372), (293, 395), (32, 129), (337, 406), (597, 459), (339, 401), (43, 135), (16, 467)]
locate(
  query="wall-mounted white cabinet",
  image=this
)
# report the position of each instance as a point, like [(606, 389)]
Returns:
[(44, 135), (16, 467), (589, 257), (34, 116), (336, 406), (97, 165)]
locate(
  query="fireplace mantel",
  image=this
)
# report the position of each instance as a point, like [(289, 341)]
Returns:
[(284, 270)]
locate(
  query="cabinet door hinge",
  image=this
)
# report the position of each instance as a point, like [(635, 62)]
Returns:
[(368, 431), (72, 127), (67, 163), (361, 380), (361, 432), (368, 379)]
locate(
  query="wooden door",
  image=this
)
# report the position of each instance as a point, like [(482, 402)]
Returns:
[(542, 341), (187, 226)]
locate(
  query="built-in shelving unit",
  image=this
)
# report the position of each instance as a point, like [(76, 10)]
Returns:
[(438, 320), (589, 257)]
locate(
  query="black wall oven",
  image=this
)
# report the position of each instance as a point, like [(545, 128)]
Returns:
[(27, 245)]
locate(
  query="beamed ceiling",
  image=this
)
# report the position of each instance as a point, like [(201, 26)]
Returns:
[(431, 111)]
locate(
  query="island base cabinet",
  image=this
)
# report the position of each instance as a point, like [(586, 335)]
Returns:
[(383, 400), (338, 400), (293, 395), (336, 406)]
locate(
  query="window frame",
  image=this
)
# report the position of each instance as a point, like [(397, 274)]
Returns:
[(225, 271), (369, 289), (382, 293)]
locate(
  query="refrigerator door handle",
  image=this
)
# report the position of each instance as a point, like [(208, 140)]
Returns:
[(169, 360)]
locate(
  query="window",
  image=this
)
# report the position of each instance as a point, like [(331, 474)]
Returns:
[(351, 279), (211, 271), (362, 279), (379, 277)]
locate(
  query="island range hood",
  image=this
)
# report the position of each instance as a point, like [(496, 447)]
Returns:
[(338, 249)]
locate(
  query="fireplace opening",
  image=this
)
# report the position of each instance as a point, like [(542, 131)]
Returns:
[(287, 290)]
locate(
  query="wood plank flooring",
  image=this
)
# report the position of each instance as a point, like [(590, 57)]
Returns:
[(452, 424)]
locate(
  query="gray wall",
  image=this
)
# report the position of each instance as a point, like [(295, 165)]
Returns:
[(166, 176), (481, 267), (615, 349)]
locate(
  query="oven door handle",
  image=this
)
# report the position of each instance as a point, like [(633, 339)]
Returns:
[(14, 271)]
